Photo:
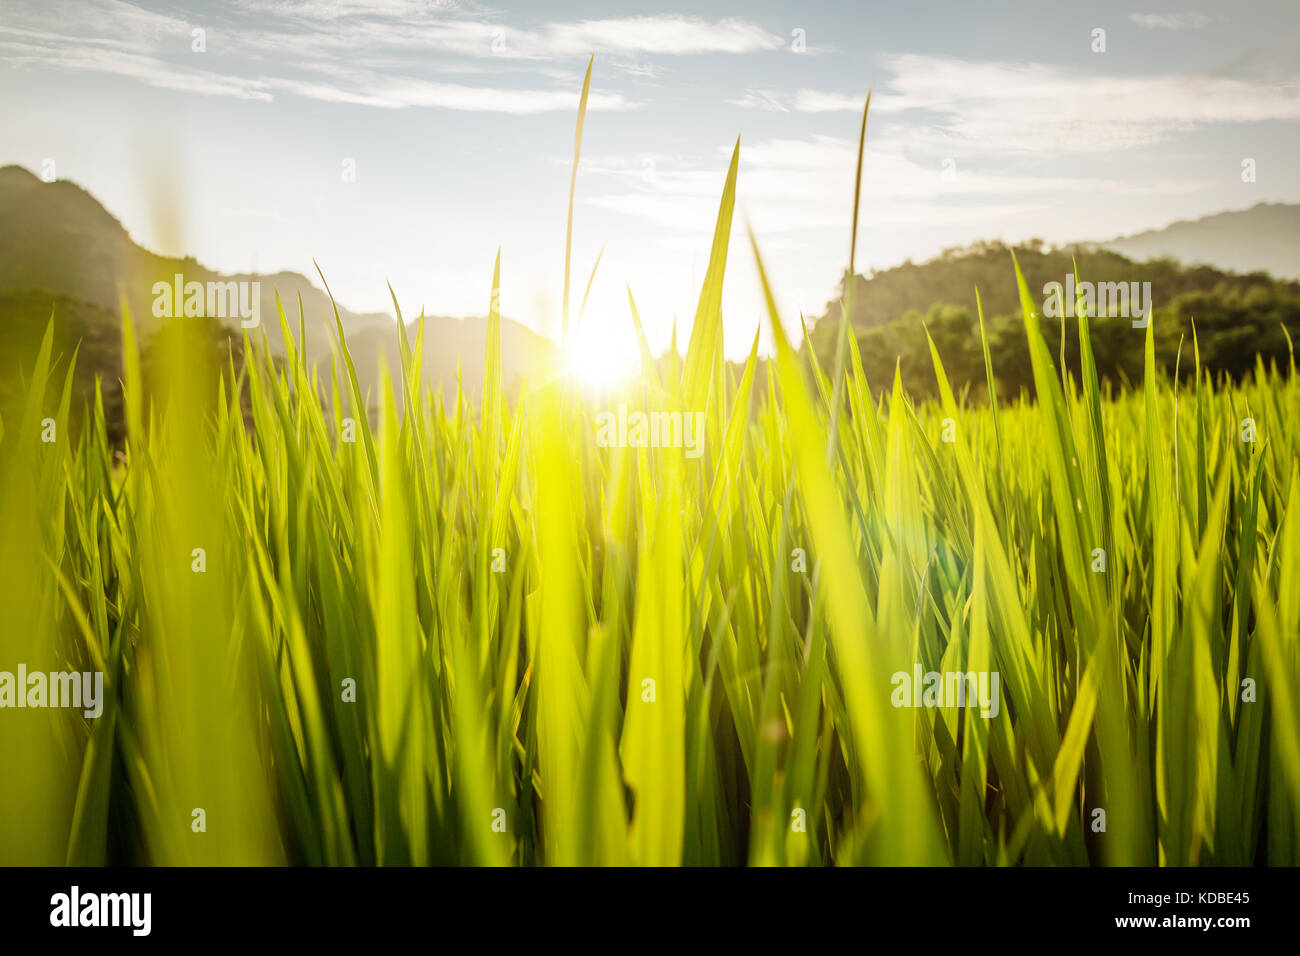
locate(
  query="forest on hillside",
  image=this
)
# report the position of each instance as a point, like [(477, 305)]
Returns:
[(1237, 319)]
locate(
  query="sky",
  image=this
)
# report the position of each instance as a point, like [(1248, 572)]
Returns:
[(406, 141)]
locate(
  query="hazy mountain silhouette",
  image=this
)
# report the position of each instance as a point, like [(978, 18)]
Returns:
[(62, 249), (60, 240), (1264, 237)]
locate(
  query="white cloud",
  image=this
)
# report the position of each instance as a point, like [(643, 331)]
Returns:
[(790, 185), (1170, 21), (761, 100), (384, 44), (670, 35), (145, 69), (338, 9), (368, 25), (118, 38), (815, 101), (406, 93), (1032, 107)]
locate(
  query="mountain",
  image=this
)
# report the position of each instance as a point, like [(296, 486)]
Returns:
[(61, 242), (951, 279), (1234, 319), (1264, 237)]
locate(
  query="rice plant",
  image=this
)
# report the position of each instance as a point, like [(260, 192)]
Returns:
[(404, 628)]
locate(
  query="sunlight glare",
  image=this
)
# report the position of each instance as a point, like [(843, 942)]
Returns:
[(601, 356)]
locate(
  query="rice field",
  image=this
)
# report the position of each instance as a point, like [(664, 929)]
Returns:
[(474, 632)]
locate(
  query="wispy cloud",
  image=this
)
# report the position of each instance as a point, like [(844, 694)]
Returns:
[(816, 101), (807, 101), (409, 24), (265, 48), (1170, 21), (664, 35), (136, 66), (340, 9), (795, 184), (1032, 107), (408, 93), (761, 100)]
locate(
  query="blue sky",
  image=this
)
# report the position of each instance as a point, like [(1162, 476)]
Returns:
[(989, 120)]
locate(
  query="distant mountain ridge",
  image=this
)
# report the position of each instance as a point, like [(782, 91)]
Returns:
[(60, 239), (60, 242), (1236, 319), (1265, 237)]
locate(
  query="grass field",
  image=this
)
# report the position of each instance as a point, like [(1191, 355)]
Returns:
[(475, 634)]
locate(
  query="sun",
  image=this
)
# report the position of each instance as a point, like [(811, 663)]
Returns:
[(599, 357)]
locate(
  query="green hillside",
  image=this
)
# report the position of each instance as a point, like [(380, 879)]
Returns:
[(1237, 318), (61, 250)]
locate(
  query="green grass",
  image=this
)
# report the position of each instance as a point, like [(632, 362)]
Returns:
[(500, 588)]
